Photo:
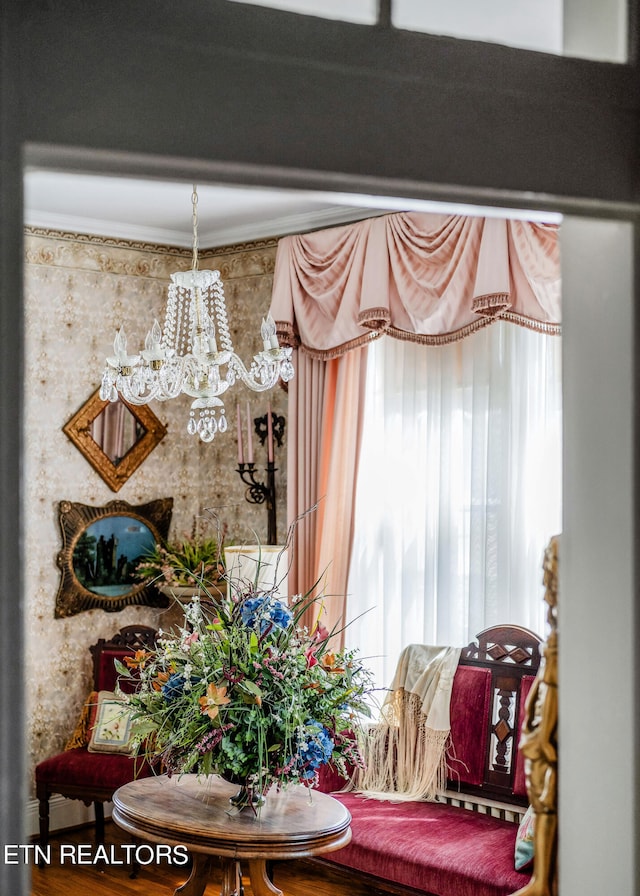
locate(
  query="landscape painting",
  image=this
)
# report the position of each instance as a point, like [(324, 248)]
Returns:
[(108, 552)]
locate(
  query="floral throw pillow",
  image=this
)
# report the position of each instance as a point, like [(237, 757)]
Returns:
[(524, 842), (111, 732)]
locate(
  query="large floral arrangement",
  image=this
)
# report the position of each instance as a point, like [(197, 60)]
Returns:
[(242, 690)]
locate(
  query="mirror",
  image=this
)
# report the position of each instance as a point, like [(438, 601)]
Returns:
[(116, 430), (115, 437), (101, 548)]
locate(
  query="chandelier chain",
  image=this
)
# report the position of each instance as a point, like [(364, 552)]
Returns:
[(194, 219)]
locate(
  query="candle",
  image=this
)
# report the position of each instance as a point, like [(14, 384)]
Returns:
[(240, 452), (249, 435), (269, 434)]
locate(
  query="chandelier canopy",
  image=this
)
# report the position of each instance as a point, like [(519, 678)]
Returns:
[(194, 353)]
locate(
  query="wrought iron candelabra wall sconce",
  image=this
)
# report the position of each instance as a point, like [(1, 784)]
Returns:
[(268, 429)]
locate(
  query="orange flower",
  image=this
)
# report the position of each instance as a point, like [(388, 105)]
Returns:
[(329, 663), (160, 679), (136, 661), (214, 699)]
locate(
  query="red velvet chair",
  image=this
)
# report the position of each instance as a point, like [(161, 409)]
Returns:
[(83, 775)]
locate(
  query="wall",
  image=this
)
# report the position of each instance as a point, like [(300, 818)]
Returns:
[(78, 290)]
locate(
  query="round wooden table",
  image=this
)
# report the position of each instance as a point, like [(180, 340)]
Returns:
[(195, 812)]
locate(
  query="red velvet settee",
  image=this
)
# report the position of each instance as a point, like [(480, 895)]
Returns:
[(465, 845)]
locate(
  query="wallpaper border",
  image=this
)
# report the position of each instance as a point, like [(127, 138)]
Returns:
[(178, 251)]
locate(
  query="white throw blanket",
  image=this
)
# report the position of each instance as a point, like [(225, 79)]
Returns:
[(405, 753)]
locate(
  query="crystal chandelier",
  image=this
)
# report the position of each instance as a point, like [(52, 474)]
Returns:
[(195, 353)]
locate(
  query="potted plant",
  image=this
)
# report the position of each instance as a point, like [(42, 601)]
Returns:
[(180, 567)]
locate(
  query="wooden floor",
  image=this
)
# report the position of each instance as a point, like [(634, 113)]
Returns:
[(66, 879)]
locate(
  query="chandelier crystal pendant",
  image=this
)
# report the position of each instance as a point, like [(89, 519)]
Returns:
[(194, 354)]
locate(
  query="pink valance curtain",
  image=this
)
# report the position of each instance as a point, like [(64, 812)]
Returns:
[(428, 278)]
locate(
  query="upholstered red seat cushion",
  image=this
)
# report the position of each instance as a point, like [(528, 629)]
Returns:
[(440, 849), (106, 770)]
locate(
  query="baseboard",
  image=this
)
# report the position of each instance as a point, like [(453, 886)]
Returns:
[(63, 814)]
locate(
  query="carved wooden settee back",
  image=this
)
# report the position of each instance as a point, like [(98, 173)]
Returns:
[(512, 656)]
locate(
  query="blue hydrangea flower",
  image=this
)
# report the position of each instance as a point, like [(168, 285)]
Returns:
[(252, 608), (267, 611), (280, 615), (317, 751), (173, 688)]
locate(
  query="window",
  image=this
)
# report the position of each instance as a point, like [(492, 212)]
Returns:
[(517, 23), (459, 490)]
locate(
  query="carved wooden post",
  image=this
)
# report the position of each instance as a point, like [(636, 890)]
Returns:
[(539, 745)]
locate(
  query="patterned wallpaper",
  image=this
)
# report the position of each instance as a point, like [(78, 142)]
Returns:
[(78, 291)]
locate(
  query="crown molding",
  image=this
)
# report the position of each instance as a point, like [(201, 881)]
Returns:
[(287, 224)]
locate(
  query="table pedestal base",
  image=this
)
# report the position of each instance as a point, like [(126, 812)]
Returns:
[(260, 882), (198, 877), (231, 878)]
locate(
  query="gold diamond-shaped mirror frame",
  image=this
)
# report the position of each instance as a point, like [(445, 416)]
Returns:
[(78, 429)]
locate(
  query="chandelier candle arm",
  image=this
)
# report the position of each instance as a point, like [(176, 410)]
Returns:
[(194, 353)]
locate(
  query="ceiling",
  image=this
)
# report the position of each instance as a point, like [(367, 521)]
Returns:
[(160, 211)]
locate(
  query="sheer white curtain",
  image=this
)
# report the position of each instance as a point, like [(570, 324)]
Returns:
[(459, 490)]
